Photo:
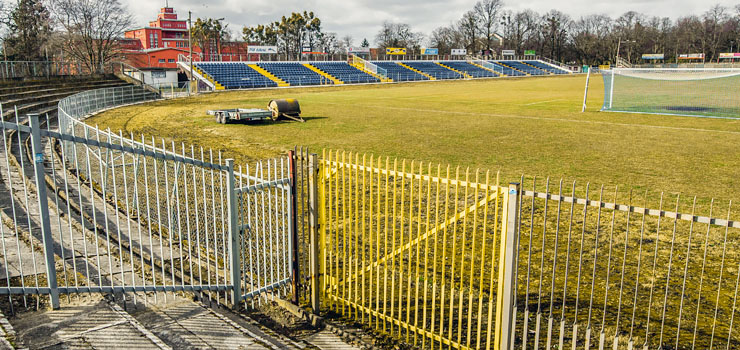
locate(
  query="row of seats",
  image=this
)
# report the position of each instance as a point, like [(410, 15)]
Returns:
[(346, 73), (238, 75), (398, 72), (523, 67), (433, 69), (469, 69), (294, 73), (547, 67)]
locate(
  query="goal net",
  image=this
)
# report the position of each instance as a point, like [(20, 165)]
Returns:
[(704, 92)]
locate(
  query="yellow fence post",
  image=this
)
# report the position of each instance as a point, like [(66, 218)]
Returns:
[(315, 224), (505, 308)]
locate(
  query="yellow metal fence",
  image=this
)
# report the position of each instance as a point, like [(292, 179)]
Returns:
[(413, 249)]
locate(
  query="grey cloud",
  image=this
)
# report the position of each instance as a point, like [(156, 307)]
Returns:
[(362, 18)]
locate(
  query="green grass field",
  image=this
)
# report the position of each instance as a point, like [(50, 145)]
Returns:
[(530, 126)]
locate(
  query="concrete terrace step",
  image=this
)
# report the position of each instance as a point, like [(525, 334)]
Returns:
[(89, 322), (45, 84)]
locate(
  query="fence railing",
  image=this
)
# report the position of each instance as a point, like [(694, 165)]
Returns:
[(121, 217), (600, 266), (412, 249), (416, 251)]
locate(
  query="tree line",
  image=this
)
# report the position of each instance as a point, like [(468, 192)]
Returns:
[(488, 27), (88, 31), (83, 31)]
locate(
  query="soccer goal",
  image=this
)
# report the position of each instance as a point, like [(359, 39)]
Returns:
[(701, 92)]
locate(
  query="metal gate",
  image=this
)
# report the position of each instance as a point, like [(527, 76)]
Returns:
[(91, 211)]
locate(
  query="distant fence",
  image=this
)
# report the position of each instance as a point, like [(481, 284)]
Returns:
[(419, 252)]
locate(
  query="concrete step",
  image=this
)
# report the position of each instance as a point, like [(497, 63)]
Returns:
[(86, 322), (185, 324)]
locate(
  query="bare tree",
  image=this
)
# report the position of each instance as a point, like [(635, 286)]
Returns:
[(446, 38), (713, 31), (520, 29), (90, 30), (469, 27), (487, 12), (398, 35)]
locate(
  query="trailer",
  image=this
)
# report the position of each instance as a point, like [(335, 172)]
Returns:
[(225, 116)]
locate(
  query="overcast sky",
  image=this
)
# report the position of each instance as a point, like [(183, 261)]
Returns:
[(362, 18)]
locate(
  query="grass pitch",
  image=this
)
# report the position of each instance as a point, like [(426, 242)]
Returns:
[(529, 126)]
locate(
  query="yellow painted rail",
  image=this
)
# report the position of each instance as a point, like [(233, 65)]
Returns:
[(412, 249)]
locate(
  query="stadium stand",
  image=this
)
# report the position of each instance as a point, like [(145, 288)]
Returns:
[(434, 69), (518, 65), (508, 71), (245, 75), (398, 72), (235, 75), (294, 73), (546, 67), (469, 69), (344, 72)]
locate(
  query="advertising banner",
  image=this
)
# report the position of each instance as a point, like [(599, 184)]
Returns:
[(262, 49), (691, 56), (358, 50), (653, 56), (529, 53), (730, 55), (508, 52), (430, 52), (458, 52), (395, 51)]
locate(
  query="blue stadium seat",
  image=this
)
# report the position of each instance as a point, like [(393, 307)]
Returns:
[(344, 72), (518, 65), (433, 69), (547, 67), (398, 72), (294, 73), (507, 70), (235, 75), (471, 70)]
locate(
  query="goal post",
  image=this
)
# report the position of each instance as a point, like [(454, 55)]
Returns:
[(697, 92)]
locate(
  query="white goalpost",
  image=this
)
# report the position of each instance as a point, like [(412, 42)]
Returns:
[(699, 92)]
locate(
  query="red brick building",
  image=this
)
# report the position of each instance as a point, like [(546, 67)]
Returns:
[(159, 44)]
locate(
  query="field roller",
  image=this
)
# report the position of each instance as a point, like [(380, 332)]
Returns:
[(286, 108)]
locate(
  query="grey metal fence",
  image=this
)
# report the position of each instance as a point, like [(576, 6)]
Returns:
[(91, 211), (599, 268)]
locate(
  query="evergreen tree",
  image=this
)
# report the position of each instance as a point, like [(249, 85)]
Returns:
[(29, 29)]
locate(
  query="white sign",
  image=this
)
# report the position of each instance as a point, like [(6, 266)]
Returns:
[(459, 52), (262, 49), (508, 52), (358, 50)]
